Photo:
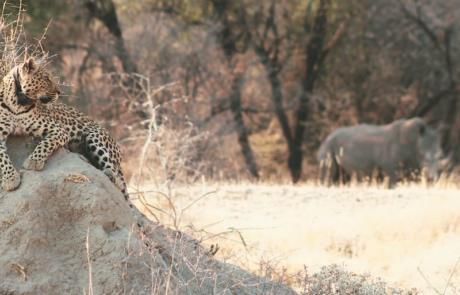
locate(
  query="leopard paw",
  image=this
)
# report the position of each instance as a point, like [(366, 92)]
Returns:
[(11, 182), (118, 181), (31, 164)]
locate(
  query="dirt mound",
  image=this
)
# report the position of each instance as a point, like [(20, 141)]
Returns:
[(68, 230)]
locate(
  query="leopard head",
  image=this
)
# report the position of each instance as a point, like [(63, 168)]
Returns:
[(34, 83)]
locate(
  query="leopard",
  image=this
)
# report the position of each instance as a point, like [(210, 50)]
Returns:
[(29, 105)]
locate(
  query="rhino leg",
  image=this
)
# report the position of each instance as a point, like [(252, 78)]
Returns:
[(345, 177), (380, 176), (330, 171), (360, 177), (323, 173), (393, 179)]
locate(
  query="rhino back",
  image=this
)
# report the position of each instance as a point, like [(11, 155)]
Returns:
[(360, 147), (363, 148)]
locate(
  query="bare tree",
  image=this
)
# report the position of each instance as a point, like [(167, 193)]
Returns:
[(228, 18), (274, 47), (441, 40), (234, 42), (105, 11)]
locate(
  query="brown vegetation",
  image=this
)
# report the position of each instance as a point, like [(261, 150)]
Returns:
[(264, 81), (239, 90)]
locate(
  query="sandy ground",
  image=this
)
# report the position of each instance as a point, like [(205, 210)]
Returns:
[(408, 236), (69, 230)]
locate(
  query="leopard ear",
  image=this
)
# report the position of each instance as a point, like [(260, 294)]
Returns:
[(30, 65)]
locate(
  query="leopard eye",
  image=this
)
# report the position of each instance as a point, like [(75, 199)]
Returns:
[(45, 99)]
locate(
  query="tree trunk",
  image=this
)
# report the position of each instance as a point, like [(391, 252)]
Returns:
[(315, 56), (449, 119), (428, 104), (228, 40), (241, 130), (453, 102), (105, 11), (277, 98)]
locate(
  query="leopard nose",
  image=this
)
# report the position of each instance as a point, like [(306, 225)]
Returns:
[(45, 99)]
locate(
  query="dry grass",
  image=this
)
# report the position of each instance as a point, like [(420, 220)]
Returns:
[(289, 233), (261, 226), (409, 236)]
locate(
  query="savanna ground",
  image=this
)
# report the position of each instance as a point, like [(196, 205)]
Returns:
[(223, 101), (408, 236)]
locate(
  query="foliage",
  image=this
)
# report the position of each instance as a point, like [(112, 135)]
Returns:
[(270, 76)]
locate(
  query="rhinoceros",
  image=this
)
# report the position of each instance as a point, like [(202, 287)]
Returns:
[(397, 149)]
